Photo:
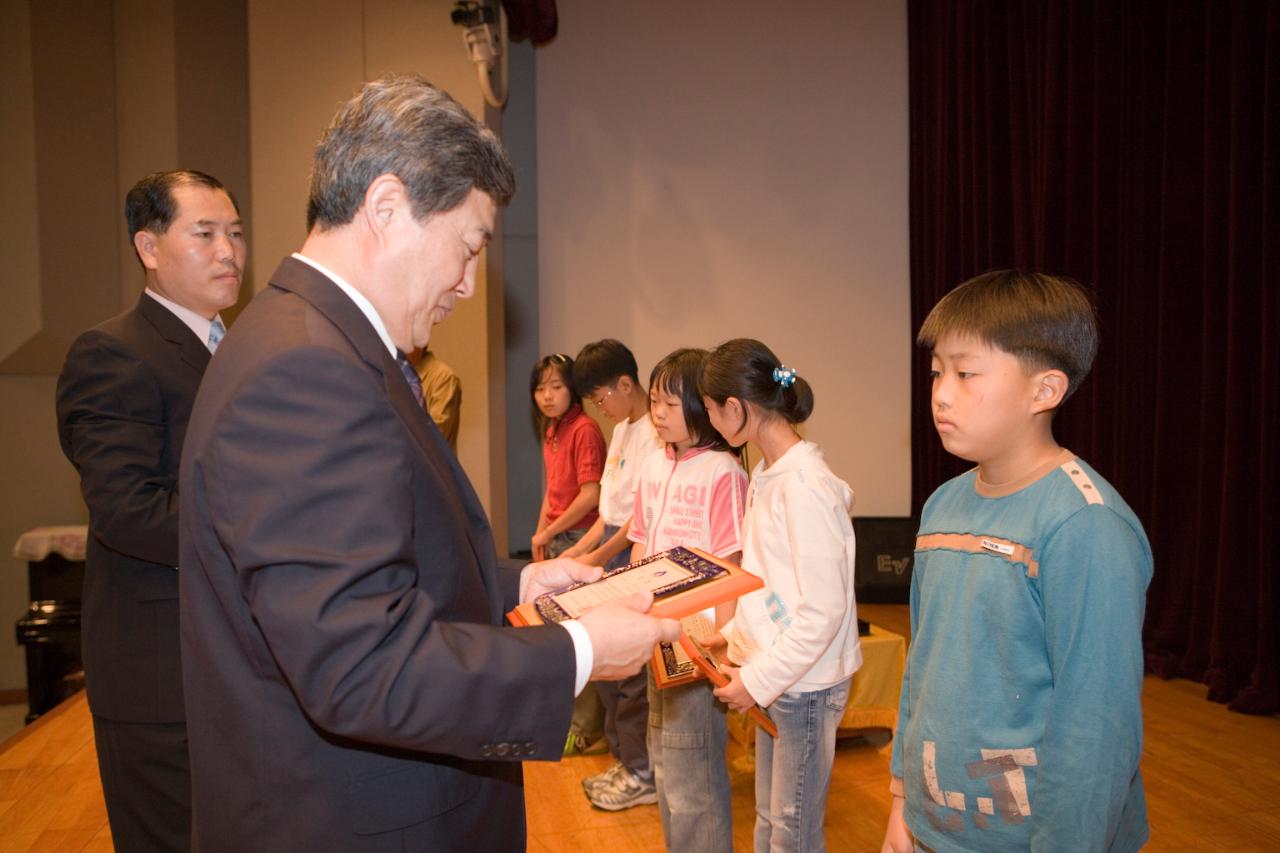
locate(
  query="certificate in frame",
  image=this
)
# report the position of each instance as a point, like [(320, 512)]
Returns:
[(682, 580)]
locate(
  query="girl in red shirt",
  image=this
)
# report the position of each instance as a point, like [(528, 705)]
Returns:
[(573, 454)]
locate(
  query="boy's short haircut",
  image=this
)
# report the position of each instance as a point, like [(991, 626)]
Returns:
[(602, 363), (1045, 321)]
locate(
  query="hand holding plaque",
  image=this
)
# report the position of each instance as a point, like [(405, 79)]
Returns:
[(682, 581), (710, 664), (622, 636)]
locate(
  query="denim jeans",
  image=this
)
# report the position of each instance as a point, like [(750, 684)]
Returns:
[(794, 770), (687, 740), (562, 542)]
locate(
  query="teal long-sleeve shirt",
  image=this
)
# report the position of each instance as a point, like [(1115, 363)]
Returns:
[(1020, 720)]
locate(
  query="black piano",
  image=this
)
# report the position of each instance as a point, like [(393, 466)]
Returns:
[(50, 629)]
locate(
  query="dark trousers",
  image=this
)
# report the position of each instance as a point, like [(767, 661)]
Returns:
[(146, 781), (626, 720), (626, 703)]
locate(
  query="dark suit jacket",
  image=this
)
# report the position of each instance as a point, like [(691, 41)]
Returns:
[(123, 401), (348, 685)]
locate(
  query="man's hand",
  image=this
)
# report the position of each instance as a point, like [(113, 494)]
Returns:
[(715, 641), (555, 574), (897, 838), (734, 694), (622, 637)]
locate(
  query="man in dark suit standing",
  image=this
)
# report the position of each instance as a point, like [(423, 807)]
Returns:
[(123, 401), (349, 681)]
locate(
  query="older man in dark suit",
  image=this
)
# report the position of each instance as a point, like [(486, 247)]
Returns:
[(349, 681), (123, 401)]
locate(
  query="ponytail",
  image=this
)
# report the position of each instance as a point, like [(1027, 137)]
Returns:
[(748, 370)]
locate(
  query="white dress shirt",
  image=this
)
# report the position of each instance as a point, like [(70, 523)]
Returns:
[(196, 323)]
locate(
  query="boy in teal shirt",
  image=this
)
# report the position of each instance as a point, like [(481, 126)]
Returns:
[(1020, 720)]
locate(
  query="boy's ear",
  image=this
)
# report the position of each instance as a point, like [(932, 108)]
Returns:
[(1050, 390), (625, 384)]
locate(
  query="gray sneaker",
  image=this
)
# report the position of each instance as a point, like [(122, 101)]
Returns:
[(590, 783), (625, 790)]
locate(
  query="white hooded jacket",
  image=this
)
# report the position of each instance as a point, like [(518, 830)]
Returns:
[(800, 632)]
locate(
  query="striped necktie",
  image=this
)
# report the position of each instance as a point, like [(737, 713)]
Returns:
[(410, 376), (216, 331)]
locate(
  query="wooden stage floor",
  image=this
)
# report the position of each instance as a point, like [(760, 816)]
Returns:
[(1212, 781)]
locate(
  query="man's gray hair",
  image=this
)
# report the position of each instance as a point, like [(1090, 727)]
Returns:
[(404, 126)]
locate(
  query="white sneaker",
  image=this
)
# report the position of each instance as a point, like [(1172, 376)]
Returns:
[(625, 790), (590, 783)]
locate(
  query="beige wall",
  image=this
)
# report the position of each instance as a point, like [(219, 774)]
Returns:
[(32, 493), (95, 95), (38, 486), (293, 96), (738, 168)]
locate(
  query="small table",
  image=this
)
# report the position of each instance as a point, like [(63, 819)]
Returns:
[(873, 695)]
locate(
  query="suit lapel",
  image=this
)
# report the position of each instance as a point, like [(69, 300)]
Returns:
[(315, 287), (479, 531), (445, 463), (191, 350), (328, 298), (412, 415)]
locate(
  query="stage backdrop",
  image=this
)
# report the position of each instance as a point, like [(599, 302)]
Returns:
[(738, 168), (1135, 148)]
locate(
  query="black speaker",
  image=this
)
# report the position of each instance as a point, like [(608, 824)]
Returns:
[(886, 553)]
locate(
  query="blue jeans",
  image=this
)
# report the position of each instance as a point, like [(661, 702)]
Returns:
[(687, 740), (793, 771), (562, 542)]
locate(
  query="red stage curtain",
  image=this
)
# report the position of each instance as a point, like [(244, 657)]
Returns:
[(536, 20), (1136, 148)]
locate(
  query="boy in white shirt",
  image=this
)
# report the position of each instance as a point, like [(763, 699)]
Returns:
[(605, 373)]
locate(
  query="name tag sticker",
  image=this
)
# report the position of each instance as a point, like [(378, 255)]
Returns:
[(998, 547)]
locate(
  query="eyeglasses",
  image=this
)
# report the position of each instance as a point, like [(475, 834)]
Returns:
[(598, 402)]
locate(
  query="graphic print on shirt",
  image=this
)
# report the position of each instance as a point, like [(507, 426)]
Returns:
[(694, 501), (777, 610), (968, 543), (1002, 770), (613, 466), (682, 515)]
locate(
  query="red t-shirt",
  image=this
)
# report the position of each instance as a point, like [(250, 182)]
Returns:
[(572, 454)]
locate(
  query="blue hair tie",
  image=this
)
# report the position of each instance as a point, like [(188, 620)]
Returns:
[(784, 376)]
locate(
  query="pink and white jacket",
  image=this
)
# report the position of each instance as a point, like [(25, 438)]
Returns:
[(696, 501)]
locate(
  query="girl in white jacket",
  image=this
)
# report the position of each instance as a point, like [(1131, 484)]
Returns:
[(795, 640)]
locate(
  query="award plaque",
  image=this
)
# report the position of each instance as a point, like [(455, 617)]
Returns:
[(682, 580), (709, 664), (671, 664)]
